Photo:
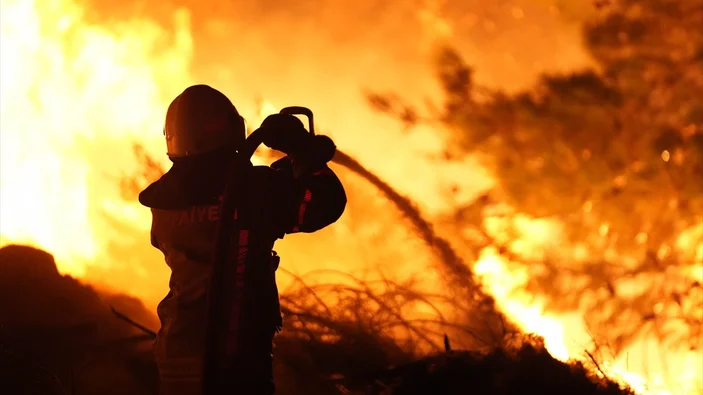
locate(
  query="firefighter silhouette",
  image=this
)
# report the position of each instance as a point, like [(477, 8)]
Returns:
[(298, 193)]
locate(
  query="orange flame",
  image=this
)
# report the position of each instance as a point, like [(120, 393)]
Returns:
[(75, 95), (566, 337)]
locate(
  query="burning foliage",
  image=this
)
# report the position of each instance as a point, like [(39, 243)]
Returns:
[(613, 157), (64, 339)]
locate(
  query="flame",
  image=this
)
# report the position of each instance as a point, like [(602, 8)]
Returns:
[(76, 94), (566, 336), (67, 86)]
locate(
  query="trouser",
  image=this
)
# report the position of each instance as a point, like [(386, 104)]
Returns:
[(250, 372)]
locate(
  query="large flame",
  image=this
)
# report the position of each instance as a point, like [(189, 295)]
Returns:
[(75, 95), (566, 337)]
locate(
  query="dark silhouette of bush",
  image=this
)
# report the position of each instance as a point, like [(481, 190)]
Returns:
[(58, 336), (521, 366)]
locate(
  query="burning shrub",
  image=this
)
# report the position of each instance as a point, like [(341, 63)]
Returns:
[(613, 157)]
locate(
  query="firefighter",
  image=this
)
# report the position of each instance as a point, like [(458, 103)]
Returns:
[(298, 193)]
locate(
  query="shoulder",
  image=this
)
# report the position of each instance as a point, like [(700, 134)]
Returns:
[(155, 195)]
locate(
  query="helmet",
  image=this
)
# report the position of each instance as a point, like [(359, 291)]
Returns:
[(200, 120)]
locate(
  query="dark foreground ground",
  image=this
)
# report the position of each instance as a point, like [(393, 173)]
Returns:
[(58, 336)]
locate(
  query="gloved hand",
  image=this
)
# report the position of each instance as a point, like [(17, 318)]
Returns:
[(322, 149), (285, 133)]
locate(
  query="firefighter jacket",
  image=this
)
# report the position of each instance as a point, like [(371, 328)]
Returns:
[(185, 203)]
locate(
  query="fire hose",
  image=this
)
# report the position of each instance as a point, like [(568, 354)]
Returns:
[(215, 355)]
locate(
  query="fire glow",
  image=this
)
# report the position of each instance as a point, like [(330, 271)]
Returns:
[(76, 95)]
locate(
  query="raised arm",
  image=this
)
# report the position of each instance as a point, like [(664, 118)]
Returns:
[(311, 196), (311, 199)]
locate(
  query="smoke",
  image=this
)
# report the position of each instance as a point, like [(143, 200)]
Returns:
[(111, 74), (322, 54)]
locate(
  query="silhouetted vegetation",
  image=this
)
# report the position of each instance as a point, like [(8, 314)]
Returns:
[(522, 365), (58, 335), (66, 340)]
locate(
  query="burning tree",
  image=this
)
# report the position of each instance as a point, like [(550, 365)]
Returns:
[(614, 155)]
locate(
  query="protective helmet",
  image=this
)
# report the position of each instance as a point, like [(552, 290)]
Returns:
[(200, 120)]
